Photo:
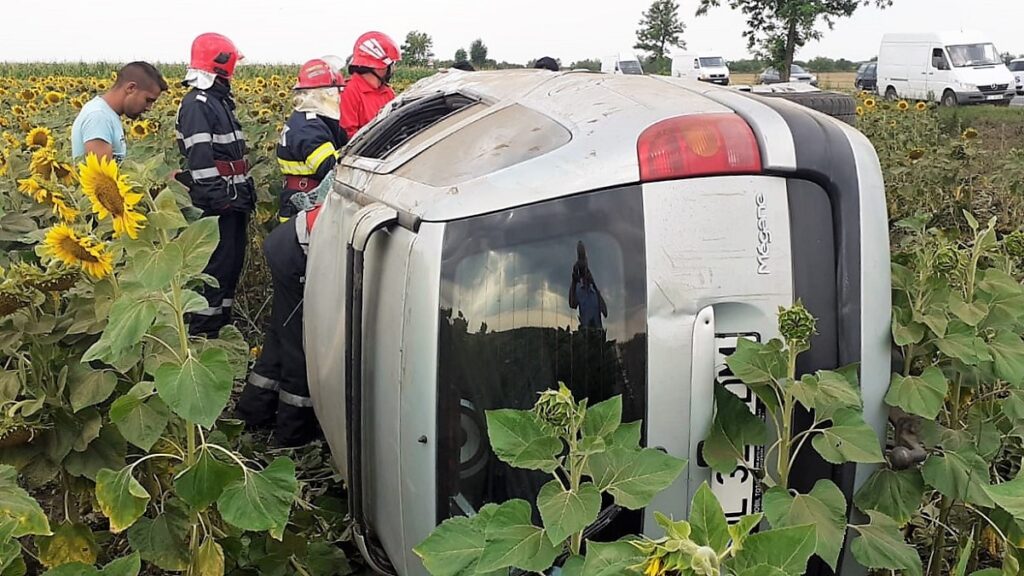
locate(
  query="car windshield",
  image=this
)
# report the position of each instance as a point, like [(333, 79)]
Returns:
[(797, 70), (965, 55), (714, 62), (1017, 66), (630, 67)]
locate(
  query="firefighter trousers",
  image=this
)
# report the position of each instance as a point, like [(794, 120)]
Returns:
[(225, 265), (277, 392)]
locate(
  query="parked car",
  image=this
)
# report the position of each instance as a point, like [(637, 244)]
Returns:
[(1017, 67), (624, 62), (461, 219), (951, 68), (867, 77), (796, 74), (706, 67)]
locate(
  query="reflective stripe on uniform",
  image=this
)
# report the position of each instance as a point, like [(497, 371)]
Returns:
[(237, 179), (228, 302), (263, 382), (302, 231), (209, 311), (204, 173), (312, 162), (294, 399), (202, 137)]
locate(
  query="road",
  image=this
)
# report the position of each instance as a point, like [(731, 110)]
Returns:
[(1018, 101)]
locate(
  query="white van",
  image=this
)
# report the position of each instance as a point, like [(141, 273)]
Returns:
[(952, 68), (706, 67), (624, 62)]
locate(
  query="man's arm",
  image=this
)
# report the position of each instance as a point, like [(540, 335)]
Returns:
[(101, 148)]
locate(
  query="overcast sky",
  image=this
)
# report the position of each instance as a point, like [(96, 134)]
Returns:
[(513, 30)]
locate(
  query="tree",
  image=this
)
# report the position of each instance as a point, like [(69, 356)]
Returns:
[(660, 29), (478, 53), (776, 28), (592, 65), (460, 55), (417, 49)]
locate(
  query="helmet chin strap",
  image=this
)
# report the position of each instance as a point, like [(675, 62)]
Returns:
[(386, 80)]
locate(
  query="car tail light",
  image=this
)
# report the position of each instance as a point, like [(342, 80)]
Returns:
[(697, 145)]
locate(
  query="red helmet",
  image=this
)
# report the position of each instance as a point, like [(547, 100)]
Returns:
[(375, 50), (317, 74), (216, 54)]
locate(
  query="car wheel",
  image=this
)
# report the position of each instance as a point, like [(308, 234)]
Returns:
[(890, 94), (949, 98), (835, 104)]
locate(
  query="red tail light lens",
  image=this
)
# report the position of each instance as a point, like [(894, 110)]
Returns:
[(698, 145)]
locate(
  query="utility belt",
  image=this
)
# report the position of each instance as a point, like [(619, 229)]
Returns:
[(300, 183), (232, 167)]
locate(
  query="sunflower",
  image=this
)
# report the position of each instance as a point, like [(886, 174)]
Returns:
[(65, 173), (860, 110), (921, 107), (11, 140), (654, 567), (139, 130), (53, 97), (916, 154), (91, 255), (43, 162), (892, 123), (4, 166), (111, 195), (39, 137), (870, 103), (903, 105), (970, 134), (27, 95), (42, 193), (32, 188)]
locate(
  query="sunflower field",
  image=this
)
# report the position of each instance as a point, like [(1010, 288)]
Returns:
[(114, 457)]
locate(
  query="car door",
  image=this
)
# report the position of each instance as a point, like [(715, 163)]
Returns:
[(940, 74)]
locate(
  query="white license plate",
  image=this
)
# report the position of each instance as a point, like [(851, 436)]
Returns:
[(739, 492), (994, 97)]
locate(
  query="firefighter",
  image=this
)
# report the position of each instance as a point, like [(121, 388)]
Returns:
[(277, 391), (368, 90), (311, 139), (215, 170)]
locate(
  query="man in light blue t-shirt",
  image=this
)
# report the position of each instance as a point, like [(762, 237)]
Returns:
[(98, 128)]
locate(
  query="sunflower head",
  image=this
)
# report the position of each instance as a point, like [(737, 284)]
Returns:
[(53, 97), (916, 154), (903, 105), (139, 130), (111, 195), (4, 166), (970, 134), (870, 103), (921, 106), (39, 137), (64, 244), (43, 162), (860, 110)]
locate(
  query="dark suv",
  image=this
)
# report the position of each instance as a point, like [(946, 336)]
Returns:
[(867, 77)]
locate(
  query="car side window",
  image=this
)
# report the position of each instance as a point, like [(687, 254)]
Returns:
[(939, 59)]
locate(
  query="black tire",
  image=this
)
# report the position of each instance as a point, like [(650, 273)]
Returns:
[(949, 99), (840, 106), (890, 94)]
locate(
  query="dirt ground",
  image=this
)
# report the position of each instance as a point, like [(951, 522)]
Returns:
[(826, 80)]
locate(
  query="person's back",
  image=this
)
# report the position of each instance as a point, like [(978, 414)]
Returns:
[(98, 121)]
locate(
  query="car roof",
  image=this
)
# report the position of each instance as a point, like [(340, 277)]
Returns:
[(534, 135)]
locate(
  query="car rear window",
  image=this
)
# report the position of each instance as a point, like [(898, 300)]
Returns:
[(530, 297), (407, 120)]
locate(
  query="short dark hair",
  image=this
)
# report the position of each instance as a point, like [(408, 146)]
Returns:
[(142, 73), (546, 63)]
